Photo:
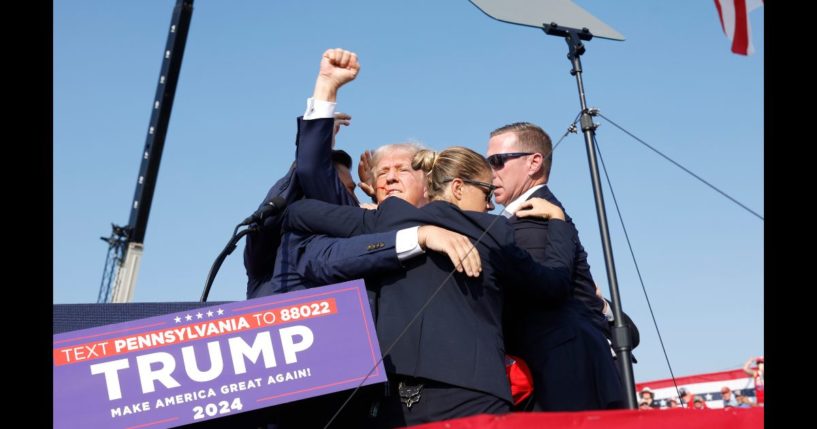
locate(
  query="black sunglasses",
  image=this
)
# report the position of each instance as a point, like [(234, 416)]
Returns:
[(497, 161), (489, 188)]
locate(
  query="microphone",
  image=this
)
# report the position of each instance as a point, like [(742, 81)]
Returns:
[(273, 207)]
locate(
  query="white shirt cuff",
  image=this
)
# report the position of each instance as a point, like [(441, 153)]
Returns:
[(319, 109), (407, 245)]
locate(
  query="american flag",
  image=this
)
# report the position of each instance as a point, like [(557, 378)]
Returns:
[(734, 16)]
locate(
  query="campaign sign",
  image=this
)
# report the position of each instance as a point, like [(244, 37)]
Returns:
[(214, 361)]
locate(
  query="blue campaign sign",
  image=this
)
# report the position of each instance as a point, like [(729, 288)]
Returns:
[(192, 366)]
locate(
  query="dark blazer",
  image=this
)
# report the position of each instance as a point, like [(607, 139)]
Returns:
[(305, 260), (457, 339), (532, 235), (313, 175), (564, 344)]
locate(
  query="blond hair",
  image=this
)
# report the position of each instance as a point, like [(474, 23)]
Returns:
[(454, 162), (410, 147)]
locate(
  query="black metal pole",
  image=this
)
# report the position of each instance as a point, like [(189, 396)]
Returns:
[(622, 343)]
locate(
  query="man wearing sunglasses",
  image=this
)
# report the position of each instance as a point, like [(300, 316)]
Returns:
[(565, 346)]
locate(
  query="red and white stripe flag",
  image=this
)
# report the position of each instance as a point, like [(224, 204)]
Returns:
[(708, 386), (734, 15)]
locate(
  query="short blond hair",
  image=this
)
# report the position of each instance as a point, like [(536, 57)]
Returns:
[(410, 147), (533, 139)]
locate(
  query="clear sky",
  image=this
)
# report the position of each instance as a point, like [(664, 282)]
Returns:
[(446, 74)]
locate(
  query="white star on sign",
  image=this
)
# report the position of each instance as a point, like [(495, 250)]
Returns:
[(220, 312), (209, 313), (198, 315), (708, 396), (178, 319), (188, 317)]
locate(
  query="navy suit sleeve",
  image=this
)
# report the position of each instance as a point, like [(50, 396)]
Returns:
[(325, 260), (533, 236), (584, 287), (318, 217), (550, 278), (313, 163)]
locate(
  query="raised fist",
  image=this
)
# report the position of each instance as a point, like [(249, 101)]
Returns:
[(338, 66)]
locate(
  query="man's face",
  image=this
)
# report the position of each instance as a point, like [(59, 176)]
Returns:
[(394, 177), (727, 394), (345, 177), (512, 179)]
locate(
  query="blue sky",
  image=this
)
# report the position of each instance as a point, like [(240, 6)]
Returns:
[(446, 74)]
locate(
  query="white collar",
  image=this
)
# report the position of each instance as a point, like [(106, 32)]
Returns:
[(511, 208)]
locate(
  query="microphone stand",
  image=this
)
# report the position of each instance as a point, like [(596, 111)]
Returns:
[(228, 249)]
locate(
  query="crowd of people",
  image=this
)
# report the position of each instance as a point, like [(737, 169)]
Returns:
[(726, 397)]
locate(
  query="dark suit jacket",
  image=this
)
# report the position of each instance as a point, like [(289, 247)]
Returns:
[(457, 339), (306, 260), (312, 175), (566, 338), (532, 235)]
